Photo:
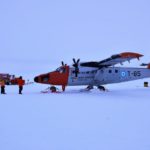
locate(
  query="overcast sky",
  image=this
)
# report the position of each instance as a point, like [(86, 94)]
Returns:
[(38, 31)]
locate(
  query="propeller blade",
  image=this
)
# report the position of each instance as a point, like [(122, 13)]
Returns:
[(74, 60), (78, 61), (62, 63)]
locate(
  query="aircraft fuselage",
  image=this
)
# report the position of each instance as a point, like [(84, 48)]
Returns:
[(92, 76)]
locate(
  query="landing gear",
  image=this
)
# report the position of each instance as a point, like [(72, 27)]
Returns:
[(101, 88), (63, 88), (90, 87), (53, 89)]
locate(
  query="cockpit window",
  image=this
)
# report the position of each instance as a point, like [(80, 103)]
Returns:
[(61, 70)]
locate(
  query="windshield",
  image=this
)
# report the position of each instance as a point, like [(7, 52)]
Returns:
[(61, 69)]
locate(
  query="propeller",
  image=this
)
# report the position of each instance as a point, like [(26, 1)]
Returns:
[(76, 66), (62, 63)]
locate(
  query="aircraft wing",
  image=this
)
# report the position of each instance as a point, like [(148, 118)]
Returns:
[(113, 60)]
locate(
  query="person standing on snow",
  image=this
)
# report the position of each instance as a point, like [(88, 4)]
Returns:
[(21, 83), (2, 84)]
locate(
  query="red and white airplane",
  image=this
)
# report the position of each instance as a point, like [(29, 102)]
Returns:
[(95, 73)]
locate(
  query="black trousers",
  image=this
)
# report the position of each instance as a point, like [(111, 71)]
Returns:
[(2, 89), (20, 89)]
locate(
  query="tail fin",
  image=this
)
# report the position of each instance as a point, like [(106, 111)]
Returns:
[(148, 65)]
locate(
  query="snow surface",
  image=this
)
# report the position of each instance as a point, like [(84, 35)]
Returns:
[(74, 120), (35, 36)]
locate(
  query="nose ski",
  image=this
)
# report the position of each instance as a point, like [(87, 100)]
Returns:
[(51, 89)]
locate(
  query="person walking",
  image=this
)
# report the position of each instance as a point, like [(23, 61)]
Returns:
[(2, 84), (21, 83)]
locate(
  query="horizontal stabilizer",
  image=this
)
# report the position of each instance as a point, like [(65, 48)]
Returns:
[(148, 65), (130, 55)]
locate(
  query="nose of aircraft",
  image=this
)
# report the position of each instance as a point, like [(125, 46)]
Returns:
[(36, 79)]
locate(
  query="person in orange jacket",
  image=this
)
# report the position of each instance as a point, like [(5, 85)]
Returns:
[(21, 83), (2, 84)]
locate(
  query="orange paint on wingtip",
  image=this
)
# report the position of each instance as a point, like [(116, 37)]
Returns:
[(130, 54)]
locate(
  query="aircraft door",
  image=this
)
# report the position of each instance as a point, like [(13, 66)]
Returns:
[(100, 76)]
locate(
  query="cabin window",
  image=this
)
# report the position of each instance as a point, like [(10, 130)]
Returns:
[(110, 71), (116, 71)]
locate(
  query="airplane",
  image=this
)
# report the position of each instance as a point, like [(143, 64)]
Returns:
[(95, 73)]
